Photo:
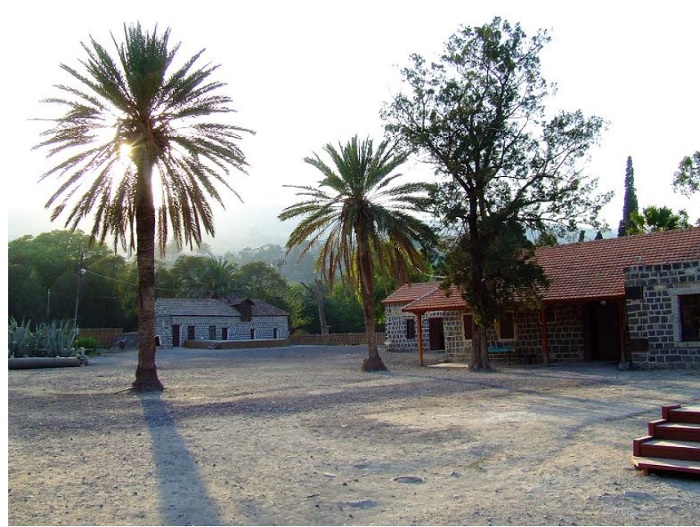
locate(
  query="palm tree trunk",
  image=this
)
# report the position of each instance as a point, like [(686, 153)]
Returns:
[(146, 372), (373, 362)]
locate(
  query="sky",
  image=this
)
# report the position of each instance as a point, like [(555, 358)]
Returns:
[(305, 73)]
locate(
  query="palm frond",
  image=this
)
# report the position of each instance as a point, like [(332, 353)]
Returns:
[(167, 114)]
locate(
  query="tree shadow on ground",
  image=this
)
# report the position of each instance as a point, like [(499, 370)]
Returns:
[(184, 498)]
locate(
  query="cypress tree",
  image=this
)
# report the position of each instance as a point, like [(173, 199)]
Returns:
[(630, 206)]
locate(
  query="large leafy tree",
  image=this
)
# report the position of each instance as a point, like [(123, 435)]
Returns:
[(630, 206), (131, 121), (363, 222), (686, 180), (43, 270), (262, 281), (505, 166)]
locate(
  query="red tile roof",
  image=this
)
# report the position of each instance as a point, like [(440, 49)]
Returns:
[(577, 271), (438, 300), (596, 269), (410, 292)]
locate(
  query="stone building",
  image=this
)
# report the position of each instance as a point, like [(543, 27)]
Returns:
[(633, 300), (179, 320)]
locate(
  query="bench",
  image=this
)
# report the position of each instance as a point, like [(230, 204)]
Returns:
[(500, 351)]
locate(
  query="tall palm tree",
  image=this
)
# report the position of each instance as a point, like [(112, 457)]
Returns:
[(128, 120), (365, 223)]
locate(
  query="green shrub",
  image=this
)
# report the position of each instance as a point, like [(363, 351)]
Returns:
[(89, 343)]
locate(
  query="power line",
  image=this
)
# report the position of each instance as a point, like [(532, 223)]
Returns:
[(129, 283)]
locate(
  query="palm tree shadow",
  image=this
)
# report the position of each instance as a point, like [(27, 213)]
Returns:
[(184, 498)]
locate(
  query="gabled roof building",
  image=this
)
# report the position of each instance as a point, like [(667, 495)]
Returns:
[(183, 320), (634, 300)]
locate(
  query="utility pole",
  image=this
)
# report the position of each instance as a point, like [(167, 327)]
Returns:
[(48, 305), (81, 272)]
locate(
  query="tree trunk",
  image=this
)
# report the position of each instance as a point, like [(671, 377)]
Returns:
[(480, 353), (321, 308), (479, 288), (146, 372), (317, 291), (373, 362)]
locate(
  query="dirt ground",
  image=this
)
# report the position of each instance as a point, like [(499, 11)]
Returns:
[(299, 436)]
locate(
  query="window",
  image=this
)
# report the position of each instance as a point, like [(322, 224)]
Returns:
[(212, 332), (190, 332), (224, 333), (689, 310), (468, 321), (252, 333), (275, 333), (410, 328), (506, 327)]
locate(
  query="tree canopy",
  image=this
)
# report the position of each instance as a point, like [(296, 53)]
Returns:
[(505, 165), (686, 180), (654, 219), (630, 206), (364, 222)]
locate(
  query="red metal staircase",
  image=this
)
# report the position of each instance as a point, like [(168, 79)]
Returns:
[(673, 443)]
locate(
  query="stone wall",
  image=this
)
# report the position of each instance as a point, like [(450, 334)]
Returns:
[(652, 315), (457, 348), (264, 328), (395, 329), (564, 330)]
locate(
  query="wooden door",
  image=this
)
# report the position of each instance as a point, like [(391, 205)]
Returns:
[(437, 334), (176, 335), (602, 332)]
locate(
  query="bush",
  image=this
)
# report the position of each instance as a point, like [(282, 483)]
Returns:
[(89, 343)]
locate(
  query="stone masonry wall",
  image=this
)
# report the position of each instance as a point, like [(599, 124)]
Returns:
[(652, 315), (457, 349), (564, 330), (395, 329), (237, 330)]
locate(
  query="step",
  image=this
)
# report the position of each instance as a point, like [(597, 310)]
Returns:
[(666, 448), (663, 429), (681, 414), (648, 464)]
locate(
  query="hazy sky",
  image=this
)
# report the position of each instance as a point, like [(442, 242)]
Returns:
[(305, 73)]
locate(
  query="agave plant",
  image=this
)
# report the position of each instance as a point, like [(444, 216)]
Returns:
[(57, 339), (21, 341)]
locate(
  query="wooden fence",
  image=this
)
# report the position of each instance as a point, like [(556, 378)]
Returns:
[(334, 339), (105, 336)]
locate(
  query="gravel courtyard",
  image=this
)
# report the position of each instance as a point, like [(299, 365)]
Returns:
[(299, 436)]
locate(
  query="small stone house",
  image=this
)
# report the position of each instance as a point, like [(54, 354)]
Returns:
[(633, 300), (179, 320)]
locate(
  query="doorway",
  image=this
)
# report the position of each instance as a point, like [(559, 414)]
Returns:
[(437, 334), (602, 332), (176, 335)]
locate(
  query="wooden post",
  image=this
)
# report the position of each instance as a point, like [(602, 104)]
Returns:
[(419, 316), (545, 340), (621, 328)]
